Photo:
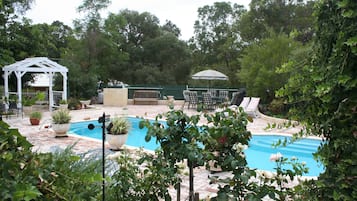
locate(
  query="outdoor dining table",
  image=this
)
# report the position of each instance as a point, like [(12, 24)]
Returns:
[(216, 99)]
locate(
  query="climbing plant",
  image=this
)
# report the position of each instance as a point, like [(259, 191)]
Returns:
[(324, 97)]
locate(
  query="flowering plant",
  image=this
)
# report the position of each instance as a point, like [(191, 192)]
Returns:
[(280, 181), (225, 138)]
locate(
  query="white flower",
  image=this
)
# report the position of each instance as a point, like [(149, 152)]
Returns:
[(293, 158), (303, 163), (258, 173), (242, 154), (276, 157), (239, 147), (267, 174)]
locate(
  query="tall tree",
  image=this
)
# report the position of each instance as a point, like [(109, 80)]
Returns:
[(217, 40), (260, 62), (85, 54), (150, 53), (9, 24), (130, 30), (280, 15)]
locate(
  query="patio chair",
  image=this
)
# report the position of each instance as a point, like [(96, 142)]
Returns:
[(252, 107), (244, 102), (213, 92), (13, 109), (207, 101), (223, 96), (193, 99), (186, 98), (3, 111)]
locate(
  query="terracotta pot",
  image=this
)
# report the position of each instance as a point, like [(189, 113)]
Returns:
[(34, 121), (61, 129), (116, 141)]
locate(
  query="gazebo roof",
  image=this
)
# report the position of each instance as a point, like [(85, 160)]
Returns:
[(35, 65)]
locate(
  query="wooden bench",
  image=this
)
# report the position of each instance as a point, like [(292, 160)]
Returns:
[(146, 97)]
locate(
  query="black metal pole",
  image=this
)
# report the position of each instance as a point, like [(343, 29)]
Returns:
[(103, 154)]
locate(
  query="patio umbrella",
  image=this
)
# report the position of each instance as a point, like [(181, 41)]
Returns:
[(209, 75)]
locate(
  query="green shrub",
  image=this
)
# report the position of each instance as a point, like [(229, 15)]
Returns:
[(63, 101), (36, 115), (45, 176), (74, 104)]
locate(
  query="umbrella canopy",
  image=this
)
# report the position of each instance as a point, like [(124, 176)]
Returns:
[(209, 75)]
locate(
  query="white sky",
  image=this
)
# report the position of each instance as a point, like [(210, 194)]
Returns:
[(182, 13)]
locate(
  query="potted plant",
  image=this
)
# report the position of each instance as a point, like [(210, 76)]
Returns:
[(35, 117), (60, 122), (74, 104), (63, 104), (117, 132), (85, 103), (27, 103)]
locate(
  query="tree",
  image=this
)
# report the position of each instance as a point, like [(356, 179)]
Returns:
[(279, 15), (171, 28), (85, 53), (9, 11), (217, 39), (260, 62), (324, 97), (146, 52)]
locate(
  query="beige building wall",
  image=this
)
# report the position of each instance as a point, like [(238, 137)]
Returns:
[(115, 97)]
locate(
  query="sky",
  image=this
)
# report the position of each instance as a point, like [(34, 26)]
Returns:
[(182, 13)]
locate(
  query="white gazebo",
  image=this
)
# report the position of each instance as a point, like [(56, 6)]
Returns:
[(35, 65)]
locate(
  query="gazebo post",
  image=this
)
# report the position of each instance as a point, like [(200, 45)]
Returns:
[(64, 94), (19, 88), (6, 84), (50, 91)]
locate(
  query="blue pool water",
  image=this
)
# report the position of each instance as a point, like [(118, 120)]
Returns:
[(257, 155)]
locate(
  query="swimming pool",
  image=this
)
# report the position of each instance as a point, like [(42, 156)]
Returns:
[(257, 155)]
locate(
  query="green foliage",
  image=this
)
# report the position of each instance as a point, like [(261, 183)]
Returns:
[(225, 137), (277, 107), (216, 42), (28, 100), (61, 116), (15, 156), (147, 178), (62, 101), (178, 141), (74, 103), (34, 176), (280, 16), (260, 62), (36, 115), (323, 96), (119, 126), (31, 100)]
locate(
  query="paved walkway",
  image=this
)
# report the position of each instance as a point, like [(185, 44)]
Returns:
[(43, 138)]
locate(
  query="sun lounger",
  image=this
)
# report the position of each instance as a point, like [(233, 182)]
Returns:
[(252, 107), (244, 102)]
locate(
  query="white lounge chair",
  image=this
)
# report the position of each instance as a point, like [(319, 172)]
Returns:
[(252, 107), (244, 102)]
